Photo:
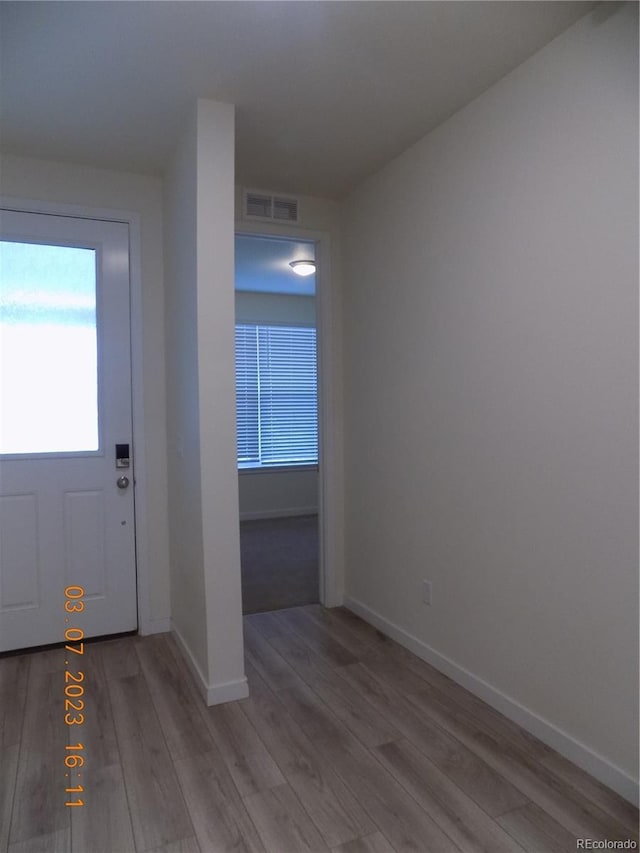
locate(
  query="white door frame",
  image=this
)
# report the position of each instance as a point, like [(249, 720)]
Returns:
[(135, 277), (330, 557)]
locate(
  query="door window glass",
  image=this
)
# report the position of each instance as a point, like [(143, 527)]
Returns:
[(48, 349)]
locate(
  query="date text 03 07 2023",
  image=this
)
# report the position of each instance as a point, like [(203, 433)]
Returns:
[(73, 693)]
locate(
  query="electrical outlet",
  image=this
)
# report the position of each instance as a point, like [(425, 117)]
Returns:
[(426, 592)]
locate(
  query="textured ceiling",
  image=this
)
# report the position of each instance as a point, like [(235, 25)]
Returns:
[(262, 265), (326, 92)]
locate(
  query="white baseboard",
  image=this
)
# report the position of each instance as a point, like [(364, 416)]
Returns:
[(576, 751), (228, 691), (213, 694), (155, 626), (279, 513)]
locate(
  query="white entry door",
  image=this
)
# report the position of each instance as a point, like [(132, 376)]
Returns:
[(66, 493)]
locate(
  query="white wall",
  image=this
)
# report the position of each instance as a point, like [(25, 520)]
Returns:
[(188, 602), (272, 494), (491, 313), (268, 494), (204, 525), (275, 308), (216, 356), (62, 183)]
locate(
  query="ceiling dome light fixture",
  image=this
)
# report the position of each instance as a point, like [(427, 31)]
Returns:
[(303, 267)]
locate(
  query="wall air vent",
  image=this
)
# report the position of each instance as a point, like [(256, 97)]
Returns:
[(258, 205), (285, 209), (270, 208)]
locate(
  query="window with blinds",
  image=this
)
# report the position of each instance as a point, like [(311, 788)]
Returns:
[(276, 396)]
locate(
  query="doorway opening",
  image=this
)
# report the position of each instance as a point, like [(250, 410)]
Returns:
[(277, 422)]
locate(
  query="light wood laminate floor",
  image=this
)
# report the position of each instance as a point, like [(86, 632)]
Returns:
[(347, 743)]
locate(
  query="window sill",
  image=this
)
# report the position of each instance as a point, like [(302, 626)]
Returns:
[(277, 469)]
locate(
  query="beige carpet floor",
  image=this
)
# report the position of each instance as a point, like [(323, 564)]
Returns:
[(279, 563)]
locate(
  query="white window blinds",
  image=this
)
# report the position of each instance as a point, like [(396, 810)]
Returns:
[(276, 394), (247, 395)]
